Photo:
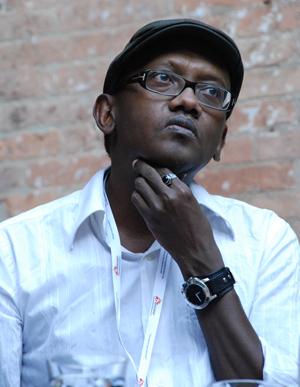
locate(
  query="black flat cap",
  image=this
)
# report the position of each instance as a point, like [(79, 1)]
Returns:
[(157, 36)]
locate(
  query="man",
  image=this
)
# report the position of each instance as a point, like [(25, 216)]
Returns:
[(143, 262)]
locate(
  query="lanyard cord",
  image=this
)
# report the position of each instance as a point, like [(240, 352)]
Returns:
[(156, 299)]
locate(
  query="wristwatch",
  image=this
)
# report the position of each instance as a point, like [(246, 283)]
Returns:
[(200, 291)]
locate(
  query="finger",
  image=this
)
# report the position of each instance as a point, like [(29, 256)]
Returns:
[(139, 202), (142, 186), (152, 175)]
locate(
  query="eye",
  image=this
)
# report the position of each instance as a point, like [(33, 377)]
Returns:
[(164, 82), (213, 96), (211, 91), (160, 81), (161, 77)]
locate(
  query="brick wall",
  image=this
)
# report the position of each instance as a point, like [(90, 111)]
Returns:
[(53, 57)]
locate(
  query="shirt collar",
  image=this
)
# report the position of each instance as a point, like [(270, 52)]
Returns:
[(213, 208), (92, 199)]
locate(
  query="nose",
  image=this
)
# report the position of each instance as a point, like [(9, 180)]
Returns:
[(187, 102)]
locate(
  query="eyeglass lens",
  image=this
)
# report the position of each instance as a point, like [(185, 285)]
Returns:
[(168, 83)]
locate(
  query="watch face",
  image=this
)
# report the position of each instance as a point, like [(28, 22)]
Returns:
[(195, 294)]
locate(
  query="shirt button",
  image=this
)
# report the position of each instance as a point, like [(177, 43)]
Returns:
[(149, 257)]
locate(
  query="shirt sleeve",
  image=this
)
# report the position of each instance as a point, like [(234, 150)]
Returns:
[(10, 319), (276, 307)]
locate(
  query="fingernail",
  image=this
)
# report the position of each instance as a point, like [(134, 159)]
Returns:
[(134, 162)]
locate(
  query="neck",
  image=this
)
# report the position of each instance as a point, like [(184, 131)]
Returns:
[(133, 231)]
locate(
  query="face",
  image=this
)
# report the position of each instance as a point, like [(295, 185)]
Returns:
[(174, 132)]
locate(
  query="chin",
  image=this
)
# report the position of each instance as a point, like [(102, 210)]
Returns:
[(178, 165)]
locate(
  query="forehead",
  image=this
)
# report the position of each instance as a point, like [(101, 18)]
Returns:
[(191, 65)]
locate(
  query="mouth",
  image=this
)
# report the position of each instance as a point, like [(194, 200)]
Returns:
[(183, 125)]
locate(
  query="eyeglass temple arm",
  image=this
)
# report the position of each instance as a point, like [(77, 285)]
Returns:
[(137, 78)]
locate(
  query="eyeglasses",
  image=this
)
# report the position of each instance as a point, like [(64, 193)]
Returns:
[(171, 84)]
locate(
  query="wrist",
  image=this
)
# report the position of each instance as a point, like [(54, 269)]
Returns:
[(195, 267)]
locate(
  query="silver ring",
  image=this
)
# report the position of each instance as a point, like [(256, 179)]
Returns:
[(168, 178)]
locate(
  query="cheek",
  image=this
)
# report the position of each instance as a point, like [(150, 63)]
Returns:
[(141, 114), (214, 130)]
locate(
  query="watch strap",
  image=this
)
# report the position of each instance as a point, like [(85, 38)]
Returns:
[(219, 282)]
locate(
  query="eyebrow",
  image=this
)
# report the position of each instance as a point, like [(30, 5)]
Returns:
[(205, 75)]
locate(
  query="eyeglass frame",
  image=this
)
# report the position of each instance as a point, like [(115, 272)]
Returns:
[(141, 78)]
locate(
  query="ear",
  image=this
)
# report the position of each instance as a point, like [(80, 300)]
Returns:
[(217, 155), (103, 113)]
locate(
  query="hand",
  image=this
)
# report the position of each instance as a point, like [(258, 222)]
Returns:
[(175, 219)]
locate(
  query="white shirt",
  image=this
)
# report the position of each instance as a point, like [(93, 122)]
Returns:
[(56, 293)]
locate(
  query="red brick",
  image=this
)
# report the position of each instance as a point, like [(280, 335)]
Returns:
[(267, 51), (278, 145), (80, 139), (265, 19), (77, 15), (55, 49), (230, 181), (233, 2), (285, 203), (238, 149), (20, 202), (32, 82), (65, 172), (12, 25), (207, 8), (12, 177), (27, 145), (262, 115), (271, 81), (289, 17), (15, 5), (46, 112), (256, 21)]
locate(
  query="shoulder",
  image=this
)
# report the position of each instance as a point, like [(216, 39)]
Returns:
[(57, 214), (246, 220), (262, 225), (255, 218)]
